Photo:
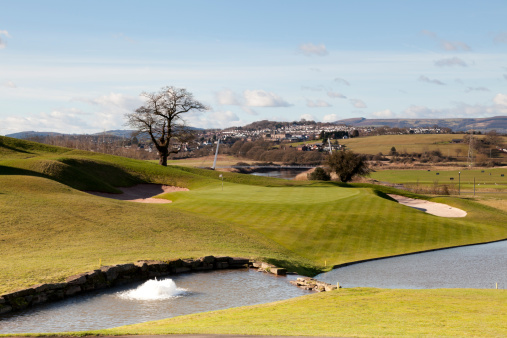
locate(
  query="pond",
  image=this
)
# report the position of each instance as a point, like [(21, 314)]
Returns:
[(476, 266), (141, 302), (288, 174)]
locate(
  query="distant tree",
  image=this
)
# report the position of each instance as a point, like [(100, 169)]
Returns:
[(393, 151), (347, 164), (355, 133), (161, 118), (319, 174)]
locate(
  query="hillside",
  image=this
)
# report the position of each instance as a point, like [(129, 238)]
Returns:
[(498, 123)]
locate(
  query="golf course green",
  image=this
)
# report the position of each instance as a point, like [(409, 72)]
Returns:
[(51, 228)]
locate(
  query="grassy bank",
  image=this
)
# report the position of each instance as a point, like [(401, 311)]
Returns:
[(355, 312)]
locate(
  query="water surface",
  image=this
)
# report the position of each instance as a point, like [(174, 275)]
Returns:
[(202, 292), (477, 266)]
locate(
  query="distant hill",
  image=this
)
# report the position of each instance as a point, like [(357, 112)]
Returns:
[(498, 123), (23, 135)]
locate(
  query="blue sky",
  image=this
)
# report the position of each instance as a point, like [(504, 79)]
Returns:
[(79, 66)]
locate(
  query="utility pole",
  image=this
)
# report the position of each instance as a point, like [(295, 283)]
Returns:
[(216, 155)]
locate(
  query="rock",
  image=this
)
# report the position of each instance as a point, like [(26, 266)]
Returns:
[(5, 309), (208, 259), (40, 288), (278, 271), (257, 264), (221, 265), (181, 270), (18, 294), (72, 290), (111, 272), (77, 279), (237, 261)]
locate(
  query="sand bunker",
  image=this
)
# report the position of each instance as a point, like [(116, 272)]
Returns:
[(141, 193), (437, 209)]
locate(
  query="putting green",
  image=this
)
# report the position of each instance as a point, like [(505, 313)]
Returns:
[(239, 193)]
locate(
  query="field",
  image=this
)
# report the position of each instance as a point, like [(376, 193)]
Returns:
[(417, 143), (490, 180), (51, 229)]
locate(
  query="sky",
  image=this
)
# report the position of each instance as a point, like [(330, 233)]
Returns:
[(80, 66)]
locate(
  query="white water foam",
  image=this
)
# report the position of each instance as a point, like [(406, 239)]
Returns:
[(153, 290)]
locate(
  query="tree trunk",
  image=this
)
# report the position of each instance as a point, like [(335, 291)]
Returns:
[(162, 159)]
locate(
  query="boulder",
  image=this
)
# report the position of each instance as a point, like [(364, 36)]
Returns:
[(72, 290), (79, 279)]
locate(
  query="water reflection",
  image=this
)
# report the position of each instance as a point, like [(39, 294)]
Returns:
[(203, 292), (478, 266)]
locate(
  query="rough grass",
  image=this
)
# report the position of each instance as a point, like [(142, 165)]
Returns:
[(417, 143), (354, 312)]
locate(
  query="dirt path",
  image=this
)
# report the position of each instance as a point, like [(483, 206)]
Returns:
[(141, 193), (437, 209)]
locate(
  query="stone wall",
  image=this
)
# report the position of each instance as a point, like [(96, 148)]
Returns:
[(108, 276)]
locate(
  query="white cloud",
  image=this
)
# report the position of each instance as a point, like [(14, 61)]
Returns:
[(307, 117), (314, 69), (505, 76), (342, 81), (387, 113), (426, 79), (310, 49), (501, 37), (500, 99), (460, 110), (336, 95), (216, 119), (63, 121), (454, 45), (9, 84), (261, 98), (455, 61), (228, 97), (446, 44), (330, 118), (357, 103), (6, 34), (317, 104)]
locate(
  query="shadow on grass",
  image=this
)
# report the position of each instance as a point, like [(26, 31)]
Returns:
[(294, 267)]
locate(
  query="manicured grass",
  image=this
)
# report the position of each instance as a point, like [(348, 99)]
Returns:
[(49, 230), (354, 312), (329, 225)]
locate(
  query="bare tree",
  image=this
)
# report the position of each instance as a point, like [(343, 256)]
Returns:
[(161, 118)]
